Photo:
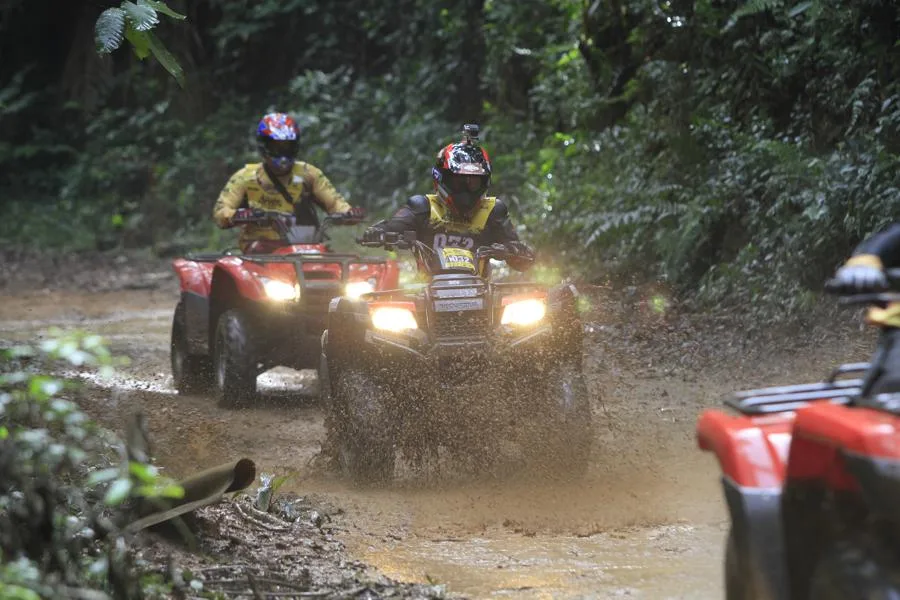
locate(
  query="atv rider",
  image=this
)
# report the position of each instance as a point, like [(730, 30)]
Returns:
[(460, 214), (279, 183), (864, 273)]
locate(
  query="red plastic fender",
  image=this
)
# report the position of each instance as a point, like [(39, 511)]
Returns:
[(823, 431), (194, 277), (245, 275), (752, 451)]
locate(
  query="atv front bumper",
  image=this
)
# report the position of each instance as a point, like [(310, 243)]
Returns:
[(503, 346)]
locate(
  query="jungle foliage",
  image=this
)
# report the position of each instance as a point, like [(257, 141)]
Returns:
[(67, 486), (732, 149)]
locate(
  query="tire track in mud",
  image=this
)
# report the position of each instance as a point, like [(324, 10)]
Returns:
[(648, 521)]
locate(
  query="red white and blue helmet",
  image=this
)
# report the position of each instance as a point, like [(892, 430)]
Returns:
[(278, 139), (462, 173)]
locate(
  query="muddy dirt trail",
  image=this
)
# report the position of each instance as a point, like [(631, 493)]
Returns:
[(647, 521)]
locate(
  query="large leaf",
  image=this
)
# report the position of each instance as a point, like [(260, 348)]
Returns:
[(140, 16), (161, 7), (165, 58), (140, 42), (109, 29)]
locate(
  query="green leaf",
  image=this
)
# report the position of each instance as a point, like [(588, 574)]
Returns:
[(117, 492), (141, 17), (4, 432), (17, 592), (172, 491), (109, 29), (140, 44), (166, 59), (144, 473), (163, 8), (103, 475)]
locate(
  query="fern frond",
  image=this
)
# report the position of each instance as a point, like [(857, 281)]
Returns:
[(754, 7), (141, 17), (109, 30)]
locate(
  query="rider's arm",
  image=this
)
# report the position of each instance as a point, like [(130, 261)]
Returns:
[(882, 250), (410, 217), (501, 230), (232, 197), (324, 192)]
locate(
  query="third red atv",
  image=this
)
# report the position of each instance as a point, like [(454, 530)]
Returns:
[(242, 314), (811, 475)]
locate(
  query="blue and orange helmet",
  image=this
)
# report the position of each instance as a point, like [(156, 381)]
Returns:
[(462, 173), (278, 139)]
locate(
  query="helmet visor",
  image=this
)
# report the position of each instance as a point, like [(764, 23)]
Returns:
[(281, 148), (474, 184)]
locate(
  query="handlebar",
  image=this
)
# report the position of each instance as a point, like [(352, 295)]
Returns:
[(259, 215), (391, 240)]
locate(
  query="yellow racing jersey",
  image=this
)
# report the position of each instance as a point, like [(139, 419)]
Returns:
[(251, 187)]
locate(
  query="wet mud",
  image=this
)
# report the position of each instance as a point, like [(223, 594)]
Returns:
[(647, 520)]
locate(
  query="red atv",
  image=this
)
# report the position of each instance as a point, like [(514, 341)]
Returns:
[(812, 481), (242, 314)]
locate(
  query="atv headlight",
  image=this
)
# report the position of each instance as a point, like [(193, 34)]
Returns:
[(524, 312), (280, 290), (393, 318), (355, 289)]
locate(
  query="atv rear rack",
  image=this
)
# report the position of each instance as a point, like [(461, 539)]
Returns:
[(791, 397)]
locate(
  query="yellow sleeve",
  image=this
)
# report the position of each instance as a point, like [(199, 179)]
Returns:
[(325, 194), (230, 198)]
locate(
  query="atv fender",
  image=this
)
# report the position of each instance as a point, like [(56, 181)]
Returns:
[(752, 453), (194, 278), (562, 304), (840, 457), (346, 330), (247, 285)]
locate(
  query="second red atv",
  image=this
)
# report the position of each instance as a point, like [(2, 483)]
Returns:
[(242, 314), (811, 475)]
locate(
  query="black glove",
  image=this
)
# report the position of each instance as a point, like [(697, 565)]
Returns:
[(520, 250), (243, 215), (357, 213), (858, 279), (373, 235)]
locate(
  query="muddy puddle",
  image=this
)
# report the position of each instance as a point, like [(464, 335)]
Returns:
[(648, 520)]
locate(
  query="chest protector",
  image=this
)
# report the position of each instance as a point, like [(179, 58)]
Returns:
[(447, 230), (260, 192)]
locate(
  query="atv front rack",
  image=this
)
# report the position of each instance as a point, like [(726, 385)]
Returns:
[(333, 259), (776, 399)]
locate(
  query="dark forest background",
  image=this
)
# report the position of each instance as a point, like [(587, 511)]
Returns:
[(726, 148)]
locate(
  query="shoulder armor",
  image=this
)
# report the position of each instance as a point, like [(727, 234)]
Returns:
[(419, 205), (500, 211)]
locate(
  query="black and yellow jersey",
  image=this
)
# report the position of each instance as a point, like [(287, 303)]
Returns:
[(438, 227)]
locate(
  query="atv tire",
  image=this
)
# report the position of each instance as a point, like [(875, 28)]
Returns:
[(234, 360), (737, 584), (365, 448), (851, 571), (191, 373), (569, 432)]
